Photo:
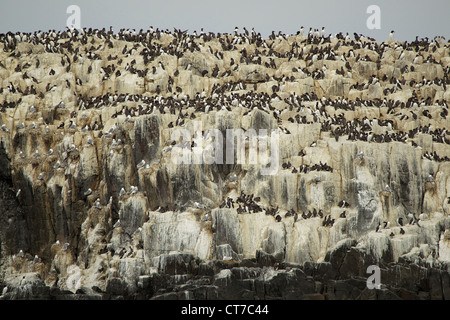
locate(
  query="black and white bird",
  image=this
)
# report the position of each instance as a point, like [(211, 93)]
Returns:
[(391, 35), (378, 227), (133, 190), (97, 204), (141, 165)]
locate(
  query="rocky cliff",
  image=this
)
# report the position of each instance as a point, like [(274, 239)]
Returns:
[(94, 204)]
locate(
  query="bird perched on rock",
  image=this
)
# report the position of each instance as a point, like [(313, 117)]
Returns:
[(391, 35), (141, 165), (343, 204), (378, 227), (90, 141), (133, 190), (199, 205), (88, 192), (97, 204)]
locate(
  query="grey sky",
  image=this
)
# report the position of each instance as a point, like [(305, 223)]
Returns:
[(409, 18)]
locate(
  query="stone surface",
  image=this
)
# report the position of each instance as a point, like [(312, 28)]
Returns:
[(109, 214)]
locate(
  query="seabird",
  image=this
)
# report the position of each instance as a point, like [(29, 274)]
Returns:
[(88, 192), (97, 204), (21, 254), (90, 141), (378, 227), (411, 218), (387, 188), (199, 205), (122, 192), (36, 259), (141, 164), (133, 190), (343, 204), (49, 152), (4, 128), (391, 36), (117, 224), (41, 176)]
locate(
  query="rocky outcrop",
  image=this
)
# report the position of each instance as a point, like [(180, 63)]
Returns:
[(96, 203)]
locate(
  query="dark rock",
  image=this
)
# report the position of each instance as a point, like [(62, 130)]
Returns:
[(177, 263), (115, 287)]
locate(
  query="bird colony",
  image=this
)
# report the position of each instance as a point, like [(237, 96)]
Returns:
[(88, 182)]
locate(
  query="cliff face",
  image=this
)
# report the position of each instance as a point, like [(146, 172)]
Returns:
[(92, 196)]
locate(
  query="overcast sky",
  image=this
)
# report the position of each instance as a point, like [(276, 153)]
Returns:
[(409, 18)]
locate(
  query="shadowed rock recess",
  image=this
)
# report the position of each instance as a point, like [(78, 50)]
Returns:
[(93, 206)]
